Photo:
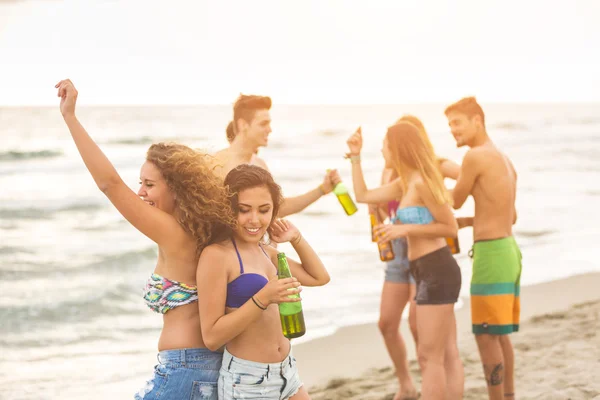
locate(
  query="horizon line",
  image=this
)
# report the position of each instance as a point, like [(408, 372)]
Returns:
[(513, 102)]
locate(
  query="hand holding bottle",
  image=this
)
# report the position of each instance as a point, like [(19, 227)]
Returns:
[(278, 291), (387, 232), (330, 181)]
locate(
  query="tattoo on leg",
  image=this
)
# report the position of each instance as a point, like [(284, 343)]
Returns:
[(494, 374), (509, 395)]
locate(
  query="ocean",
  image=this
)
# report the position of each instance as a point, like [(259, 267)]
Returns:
[(72, 321)]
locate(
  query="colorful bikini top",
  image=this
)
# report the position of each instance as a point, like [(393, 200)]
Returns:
[(414, 215), (162, 294), (242, 288)]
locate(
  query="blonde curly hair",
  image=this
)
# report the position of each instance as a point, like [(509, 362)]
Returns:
[(202, 201)]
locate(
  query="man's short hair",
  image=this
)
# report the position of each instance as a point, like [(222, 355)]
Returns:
[(467, 106), (246, 106)]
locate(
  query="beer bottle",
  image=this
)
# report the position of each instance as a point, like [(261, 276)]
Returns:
[(292, 317), (374, 221), (344, 198), (386, 251), (453, 244)]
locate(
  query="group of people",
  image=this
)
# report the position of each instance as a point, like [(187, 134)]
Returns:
[(424, 273), (215, 281)]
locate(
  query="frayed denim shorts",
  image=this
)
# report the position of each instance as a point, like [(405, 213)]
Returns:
[(184, 374), (243, 379)]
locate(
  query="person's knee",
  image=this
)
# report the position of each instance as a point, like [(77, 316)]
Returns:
[(430, 354), (505, 341), (388, 326), (485, 340), (451, 354)]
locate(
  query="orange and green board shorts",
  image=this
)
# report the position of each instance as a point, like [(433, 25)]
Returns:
[(495, 286)]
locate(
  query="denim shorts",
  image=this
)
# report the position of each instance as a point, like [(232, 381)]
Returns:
[(398, 270), (243, 379), (184, 374)]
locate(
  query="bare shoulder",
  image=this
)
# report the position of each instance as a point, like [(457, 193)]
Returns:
[(260, 162), (221, 156), (270, 249), (216, 251), (478, 153), (421, 187), (477, 157)]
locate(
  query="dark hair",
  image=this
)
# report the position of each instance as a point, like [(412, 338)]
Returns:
[(246, 106), (244, 177), (229, 132), (467, 106)]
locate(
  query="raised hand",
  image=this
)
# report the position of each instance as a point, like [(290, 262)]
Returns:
[(355, 142), (283, 230), (68, 97)]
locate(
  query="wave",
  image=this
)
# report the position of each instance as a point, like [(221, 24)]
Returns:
[(316, 213), (534, 234), (585, 121), (330, 133), (14, 155), (133, 141), (14, 250), (115, 299), (102, 227), (567, 168), (107, 264), (148, 140), (119, 261), (46, 213), (511, 126)]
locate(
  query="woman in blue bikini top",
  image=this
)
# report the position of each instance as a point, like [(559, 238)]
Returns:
[(425, 209), (237, 275), (425, 218)]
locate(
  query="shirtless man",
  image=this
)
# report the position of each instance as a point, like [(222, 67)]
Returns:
[(251, 129), (489, 176)]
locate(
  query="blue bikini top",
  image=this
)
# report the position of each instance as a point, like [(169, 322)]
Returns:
[(413, 215), (242, 288)]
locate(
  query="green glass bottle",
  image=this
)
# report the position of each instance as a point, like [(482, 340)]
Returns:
[(292, 317), (341, 191)]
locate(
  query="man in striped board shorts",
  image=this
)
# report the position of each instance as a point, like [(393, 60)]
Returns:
[(489, 176)]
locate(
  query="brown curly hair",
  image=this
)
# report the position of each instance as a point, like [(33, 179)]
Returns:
[(242, 177), (202, 201)]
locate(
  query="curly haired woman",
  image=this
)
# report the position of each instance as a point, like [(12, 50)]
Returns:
[(178, 204)]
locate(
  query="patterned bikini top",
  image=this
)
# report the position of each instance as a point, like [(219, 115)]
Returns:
[(162, 294)]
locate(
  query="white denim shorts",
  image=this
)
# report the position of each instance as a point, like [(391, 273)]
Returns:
[(243, 379)]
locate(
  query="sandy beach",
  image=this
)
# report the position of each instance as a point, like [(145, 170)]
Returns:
[(557, 350)]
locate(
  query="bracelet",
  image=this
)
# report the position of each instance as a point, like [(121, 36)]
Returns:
[(258, 305), (354, 158), (323, 193), (297, 241)]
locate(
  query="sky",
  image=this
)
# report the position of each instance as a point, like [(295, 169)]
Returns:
[(300, 52)]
